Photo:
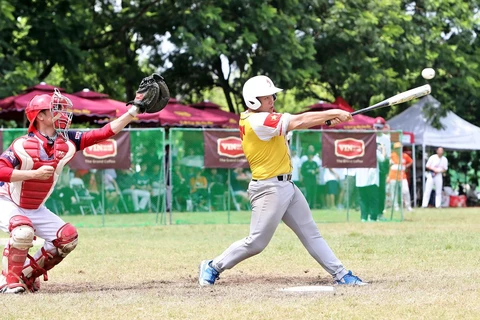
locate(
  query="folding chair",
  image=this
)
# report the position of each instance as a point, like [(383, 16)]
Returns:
[(83, 197)]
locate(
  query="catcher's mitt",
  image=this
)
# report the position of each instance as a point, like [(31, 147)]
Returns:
[(152, 94)]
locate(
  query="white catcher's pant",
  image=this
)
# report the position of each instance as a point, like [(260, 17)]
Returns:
[(273, 201), (45, 222), (431, 181)]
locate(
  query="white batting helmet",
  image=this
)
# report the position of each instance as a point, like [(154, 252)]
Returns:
[(258, 86)]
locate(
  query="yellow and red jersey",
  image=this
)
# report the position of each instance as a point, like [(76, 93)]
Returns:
[(265, 144)]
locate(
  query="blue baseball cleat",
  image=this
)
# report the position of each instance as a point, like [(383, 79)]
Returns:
[(352, 280), (208, 274)]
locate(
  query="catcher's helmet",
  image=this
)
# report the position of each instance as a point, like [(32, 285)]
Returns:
[(58, 104), (258, 86)]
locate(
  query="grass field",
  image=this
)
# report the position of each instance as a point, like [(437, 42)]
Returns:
[(426, 267)]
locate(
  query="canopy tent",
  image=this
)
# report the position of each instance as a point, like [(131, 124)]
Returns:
[(216, 110), (456, 133)]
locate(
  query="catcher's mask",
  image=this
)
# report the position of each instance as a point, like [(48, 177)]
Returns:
[(258, 86), (60, 106)]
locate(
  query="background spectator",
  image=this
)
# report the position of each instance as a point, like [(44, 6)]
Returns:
[(141, 190), (199, 190), (112, 191), (309, 171), (397, 177), (239, 180), (436, 165), (384, 144)]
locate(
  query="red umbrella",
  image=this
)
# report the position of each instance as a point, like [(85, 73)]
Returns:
[(215, 110), (176, 114), (81, 106), (104, 106)]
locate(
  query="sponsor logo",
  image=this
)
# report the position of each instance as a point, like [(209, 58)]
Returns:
[(182, 113), (349, 148), (230, 147), (102, 150), (78, 134)]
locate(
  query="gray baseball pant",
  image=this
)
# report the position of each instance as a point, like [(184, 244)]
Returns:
[(273, 201)]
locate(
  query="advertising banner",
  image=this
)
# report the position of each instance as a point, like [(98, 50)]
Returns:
[(223, 149), (349, 150), (113, 153)]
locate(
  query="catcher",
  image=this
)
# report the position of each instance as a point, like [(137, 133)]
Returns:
[(29, 170)]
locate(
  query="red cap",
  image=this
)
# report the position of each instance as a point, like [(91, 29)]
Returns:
[(380, 120)]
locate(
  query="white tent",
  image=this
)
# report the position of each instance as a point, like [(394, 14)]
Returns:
[(455, 133)]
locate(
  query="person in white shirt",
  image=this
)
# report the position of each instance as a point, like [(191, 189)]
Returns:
[(436, 165), (296, 165), (383, 140)]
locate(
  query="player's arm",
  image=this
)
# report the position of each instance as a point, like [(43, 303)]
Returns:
[(8, 173), (89, 138), (311, 119)]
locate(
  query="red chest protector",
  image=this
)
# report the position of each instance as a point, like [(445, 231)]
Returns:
[(31, 194)]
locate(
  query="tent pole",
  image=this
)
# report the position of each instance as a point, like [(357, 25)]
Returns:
[(414, 176)]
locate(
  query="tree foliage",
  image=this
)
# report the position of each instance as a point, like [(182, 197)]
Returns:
[(364, 51)]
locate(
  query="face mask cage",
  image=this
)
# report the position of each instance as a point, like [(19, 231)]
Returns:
[(62, 113)]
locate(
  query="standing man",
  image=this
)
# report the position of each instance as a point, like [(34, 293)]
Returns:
[(384, 143), (29, 170), (309, 172), (399, 163), (437, 164), (273, 196)]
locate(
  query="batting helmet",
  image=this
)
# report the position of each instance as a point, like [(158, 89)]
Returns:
[(258, 86)]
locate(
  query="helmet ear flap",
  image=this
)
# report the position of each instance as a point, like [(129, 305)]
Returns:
[(274, 97)]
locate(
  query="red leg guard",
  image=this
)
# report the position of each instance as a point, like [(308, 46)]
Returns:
[(16, 251), (66, 241)]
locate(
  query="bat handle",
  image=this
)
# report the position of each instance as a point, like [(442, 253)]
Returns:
[(328, 122)]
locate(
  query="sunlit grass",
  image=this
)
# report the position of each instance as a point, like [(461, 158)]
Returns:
[(423, 268)]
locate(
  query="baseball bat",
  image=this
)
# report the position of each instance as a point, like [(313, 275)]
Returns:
[(396, 99)]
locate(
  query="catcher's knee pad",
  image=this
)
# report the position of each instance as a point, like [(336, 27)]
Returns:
[(67, 239), (16, 251), (21, 233)]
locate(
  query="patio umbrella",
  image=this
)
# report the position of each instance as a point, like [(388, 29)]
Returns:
[(215, 109), (176, 114), (81, 106), (104, 106)]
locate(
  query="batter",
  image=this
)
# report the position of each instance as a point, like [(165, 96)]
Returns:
[(273, 196)]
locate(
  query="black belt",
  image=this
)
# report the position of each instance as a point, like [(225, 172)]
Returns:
[(283, 177)]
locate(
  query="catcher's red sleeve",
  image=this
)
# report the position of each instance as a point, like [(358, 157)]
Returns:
[(92, 137)]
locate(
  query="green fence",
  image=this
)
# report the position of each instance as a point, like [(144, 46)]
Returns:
[(113, 197), (180, 190)]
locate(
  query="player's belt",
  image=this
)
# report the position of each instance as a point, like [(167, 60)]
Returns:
[(283, 177)]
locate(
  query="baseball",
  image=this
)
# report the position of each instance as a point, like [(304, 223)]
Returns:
[(428, 73)]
